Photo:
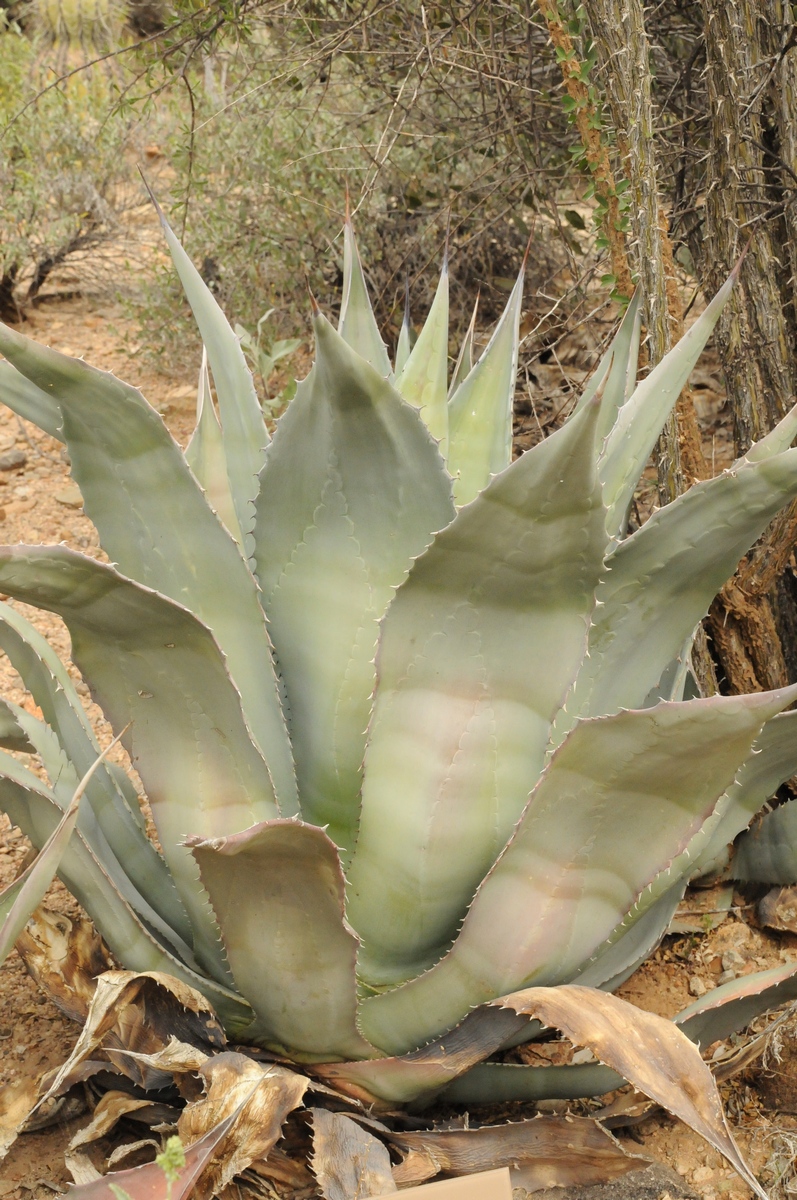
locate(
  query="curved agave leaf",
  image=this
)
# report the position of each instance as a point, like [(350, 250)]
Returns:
[(358, 326), (615, 375), (620, 799), (477, 651), (26, 893), (424, 1072), (498, 1083), (277, 892), (118, 836), (30, 401), (775, 442), (641, 419), (206, 458), (154, 664), (768, 852), (731, 1007), (423, 381), (244, 430), (30, 806), (464, 364), (404, 346), (11, 735), (352, 490), (633, 942), (480, 410), (155, 524), (774, 760), (660, 582), (144, 880)]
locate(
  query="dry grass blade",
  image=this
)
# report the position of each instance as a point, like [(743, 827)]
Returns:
[(261, 1096), (348, 1162), (649, 1051), (542, 1152)]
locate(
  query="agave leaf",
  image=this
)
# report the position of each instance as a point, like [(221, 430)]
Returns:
[(767, 853), (661, 580), (615, 374), (464, 364), (632, 942), (404, 345), (647, 1050), (11, 734), (154, 664), (620, 799), (731, 1007), (480, 410), (30, 401), (477, 651), (352, 490), (26, 893), (155, 524), (206, 457), (499, 1083), (116, 833), (277, 892), (144, 880), (32, 807), (641, 419), (774, 760), (423, 381), (775, 442), (244, 430), (358, 326), (424, 1072)]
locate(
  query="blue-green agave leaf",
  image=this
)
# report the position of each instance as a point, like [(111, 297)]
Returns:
[(464, 364), (423, 381), (358, 326), (499, 1083), (11, 735), (118, 834), (404, 344), (480, 410), (642, 418), (767, 853), (477, 652), (244, 430), (661, 581), (732, 1006), (32, 807), (206, 457), (277, 892), (153, 664), (615, 375), (352, 490), (620, 799), (156, 525), (776, 441), (30, 401)]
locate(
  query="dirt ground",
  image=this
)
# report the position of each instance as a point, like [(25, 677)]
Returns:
[(38, 504)]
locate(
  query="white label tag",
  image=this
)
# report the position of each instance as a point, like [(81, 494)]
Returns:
[(486, 1185)]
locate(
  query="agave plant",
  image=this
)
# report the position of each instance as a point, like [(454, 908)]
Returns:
[(411, 717)]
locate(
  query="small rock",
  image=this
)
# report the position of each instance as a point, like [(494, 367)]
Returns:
[(12, 460), (696, 986), (726, 977), (21, 1050), (71, 497), (3, 514), (732, 960), (702, 1175)]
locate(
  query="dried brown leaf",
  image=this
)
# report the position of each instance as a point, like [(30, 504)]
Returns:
[(649, 1051), (264, 1094), (16, 1101), (150, 1183), (487, 1185), (140, 1012), (542, 1152), (65, 955), (349, 1163)]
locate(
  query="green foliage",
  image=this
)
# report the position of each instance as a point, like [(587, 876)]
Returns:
[(410, 715)]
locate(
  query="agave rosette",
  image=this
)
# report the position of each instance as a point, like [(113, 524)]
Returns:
[(409, 715)]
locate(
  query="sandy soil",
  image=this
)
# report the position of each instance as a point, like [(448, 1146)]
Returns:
[(38, 504)]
